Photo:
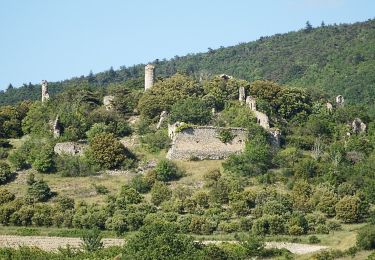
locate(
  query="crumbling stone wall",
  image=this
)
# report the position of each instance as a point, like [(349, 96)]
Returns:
[(71, 148), (149, 76), (108, 102), (202, 142), (45, 95)]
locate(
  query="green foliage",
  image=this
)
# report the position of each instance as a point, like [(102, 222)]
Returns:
[(223, 90), (159, 193), (164, 94), (92, 240), (107, 151), (44, 160), (167, 171), (97, 128), (74, 166), (100, 189), (191, 110), (38, 189), (6, 196), (351, 209), (236, 115), (366, 237), (314, 240), (154, 142), (5, 173), (253, 161), (226, 136), (160, 241)]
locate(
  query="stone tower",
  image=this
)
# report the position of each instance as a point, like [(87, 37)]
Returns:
[(149, 76), (45, 95), (241, 95)]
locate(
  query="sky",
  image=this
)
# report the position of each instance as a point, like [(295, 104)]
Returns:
[(57, 40)]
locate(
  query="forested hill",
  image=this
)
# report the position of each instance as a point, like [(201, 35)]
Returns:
[(339, 59)]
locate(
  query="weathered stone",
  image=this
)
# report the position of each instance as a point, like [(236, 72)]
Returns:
[(45, 95), (251, 102), (275, 135), (202, 142), (225, 76), (241, 94), (56, 129), (340, 101), (108, 102), (149, 76), (163, 117), (70, 148), (329, 106), (358, 126), (262, 119)]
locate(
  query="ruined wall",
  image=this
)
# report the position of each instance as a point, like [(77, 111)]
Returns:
[(71, 148), (45, 95), (149, 76), (202, 142)]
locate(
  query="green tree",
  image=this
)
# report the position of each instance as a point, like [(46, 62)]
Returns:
[(191, 110), (160, 240), (159, 193), (107, 151)]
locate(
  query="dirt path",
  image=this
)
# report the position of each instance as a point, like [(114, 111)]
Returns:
[(53, 243), (50, 243)]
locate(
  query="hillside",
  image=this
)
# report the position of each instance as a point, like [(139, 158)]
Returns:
[(338, 59)]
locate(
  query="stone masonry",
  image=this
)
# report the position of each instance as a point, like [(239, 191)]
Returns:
[(70, 148), (202, 142), (149, 76), (45, 95)]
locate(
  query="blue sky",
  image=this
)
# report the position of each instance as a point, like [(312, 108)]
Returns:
[(56, 40)]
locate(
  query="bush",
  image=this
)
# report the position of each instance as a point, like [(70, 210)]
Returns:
[(167, 171), (92, 240), (351, 209), (154, 142), (97, 128), (191, 110), (225, 136), (5, 173), (39, 190), (6, 196), (314, 240), (107, 151), (75, 166), (159, 193), (100, 189), (18, 159), (140, 183), (366, 237), (44, 160)]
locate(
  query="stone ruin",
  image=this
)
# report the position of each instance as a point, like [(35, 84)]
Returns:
[(108, 102), (56, 128), (329, 107), (45, 95), (163, 117), (262, 118), (358, 126), (149, 76), (70, 148), (225, 76), (241, 95), (203, 142), (340, 101)]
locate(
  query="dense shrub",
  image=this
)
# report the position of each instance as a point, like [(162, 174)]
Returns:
[(351, 209), (159, 193), (167, 171), (154, 142), (5, 173), (107, 151), (366, 237), (6, 196), (74, 166), (39, 190), (191, 110)]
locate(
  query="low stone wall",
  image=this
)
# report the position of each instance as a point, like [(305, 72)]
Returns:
[(202, 142), (71, 148)]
